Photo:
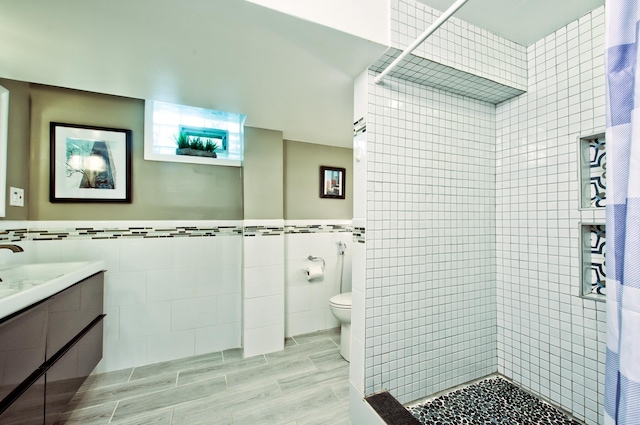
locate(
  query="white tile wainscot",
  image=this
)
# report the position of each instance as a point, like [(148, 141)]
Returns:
[(361, 412), (307, 302), (356, 367), (263, 324), (172, 288)]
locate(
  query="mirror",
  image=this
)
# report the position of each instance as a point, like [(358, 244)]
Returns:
[(4, 127)]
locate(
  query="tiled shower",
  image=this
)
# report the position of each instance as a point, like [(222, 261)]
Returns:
[(430, 241), (472, 262), (549, 339)]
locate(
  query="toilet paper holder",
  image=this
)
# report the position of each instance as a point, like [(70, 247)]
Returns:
[(312, 258)]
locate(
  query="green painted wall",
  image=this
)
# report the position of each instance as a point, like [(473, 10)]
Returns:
[(302, 163), (161, 190), (263, 174), (280, 179), (18, 145)]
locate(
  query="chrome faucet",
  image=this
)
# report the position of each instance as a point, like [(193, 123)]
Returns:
[(13, 248)]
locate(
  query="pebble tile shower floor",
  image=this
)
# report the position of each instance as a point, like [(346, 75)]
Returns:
[(490, 401)]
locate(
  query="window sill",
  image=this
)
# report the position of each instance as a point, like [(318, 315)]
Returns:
[(193, 160)]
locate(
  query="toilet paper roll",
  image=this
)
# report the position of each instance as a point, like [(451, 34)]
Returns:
[(313, 272)]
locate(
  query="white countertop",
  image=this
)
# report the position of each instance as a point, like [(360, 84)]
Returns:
[(27, 284)]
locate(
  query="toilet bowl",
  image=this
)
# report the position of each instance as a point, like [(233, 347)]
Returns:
[(340, 306)]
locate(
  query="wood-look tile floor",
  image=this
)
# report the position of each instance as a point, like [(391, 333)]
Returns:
[(305, 384)]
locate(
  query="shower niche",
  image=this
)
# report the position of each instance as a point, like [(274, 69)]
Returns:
[(593, 197), (593, 171), (593, 242)]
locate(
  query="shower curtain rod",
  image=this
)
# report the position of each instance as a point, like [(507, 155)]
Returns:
[(441, 20)]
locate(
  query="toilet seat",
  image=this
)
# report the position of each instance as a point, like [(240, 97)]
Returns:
[(341, 300)]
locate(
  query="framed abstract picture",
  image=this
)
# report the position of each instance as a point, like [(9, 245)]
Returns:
[(89, 164), (332, 182)]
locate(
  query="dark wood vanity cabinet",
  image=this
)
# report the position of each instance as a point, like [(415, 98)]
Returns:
[(23, 339), (28, 409), (48, 350), (66, 376)]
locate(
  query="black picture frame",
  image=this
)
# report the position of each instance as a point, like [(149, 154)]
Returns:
[(89, 164), (333, 182)]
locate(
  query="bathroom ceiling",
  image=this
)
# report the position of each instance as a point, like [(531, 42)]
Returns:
[(522, 21), (284, 73)]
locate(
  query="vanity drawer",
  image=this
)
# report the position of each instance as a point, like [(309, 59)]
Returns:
[(72, 310), (47, 350), (22, 347), (28, 409), (69, 372)]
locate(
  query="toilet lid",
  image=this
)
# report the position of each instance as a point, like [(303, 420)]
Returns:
[(341, 299)]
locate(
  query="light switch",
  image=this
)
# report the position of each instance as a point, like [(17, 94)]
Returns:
[(17, 197)]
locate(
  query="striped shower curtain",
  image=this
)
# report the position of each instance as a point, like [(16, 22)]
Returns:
[(622, 386)]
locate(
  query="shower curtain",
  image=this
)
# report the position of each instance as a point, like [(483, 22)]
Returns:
[(622, 380)]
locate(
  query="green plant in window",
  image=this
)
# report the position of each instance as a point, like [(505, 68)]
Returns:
[(182, 140), (196, 143), (210, 146)]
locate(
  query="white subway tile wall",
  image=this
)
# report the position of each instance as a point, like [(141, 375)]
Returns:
[(307, 302), (459, 45), (550, 340), (358, 310), (167, 295), (263, 297), (357, 406), (430, 240)]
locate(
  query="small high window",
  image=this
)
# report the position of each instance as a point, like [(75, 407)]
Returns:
[(166, 122)]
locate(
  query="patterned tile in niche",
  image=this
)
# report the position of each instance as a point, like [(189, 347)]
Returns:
[(597, 246), (491, 401), (598, 172)]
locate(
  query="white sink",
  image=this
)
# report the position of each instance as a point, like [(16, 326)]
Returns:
[(5, 292), (34, 274), (27, 284)]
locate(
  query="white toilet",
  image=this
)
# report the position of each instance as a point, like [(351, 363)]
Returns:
[(341, 308)]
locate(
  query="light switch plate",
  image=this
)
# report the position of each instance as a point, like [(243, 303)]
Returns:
[(17, 197)]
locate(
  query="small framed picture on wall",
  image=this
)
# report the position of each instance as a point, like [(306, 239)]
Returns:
[(332, 182)]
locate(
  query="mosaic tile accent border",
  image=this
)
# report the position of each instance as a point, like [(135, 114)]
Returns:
[(24, 234), (359, 234), (594, 241), (251, 231), (13, 235), (17, 235), (317, 228), (494, 400)]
